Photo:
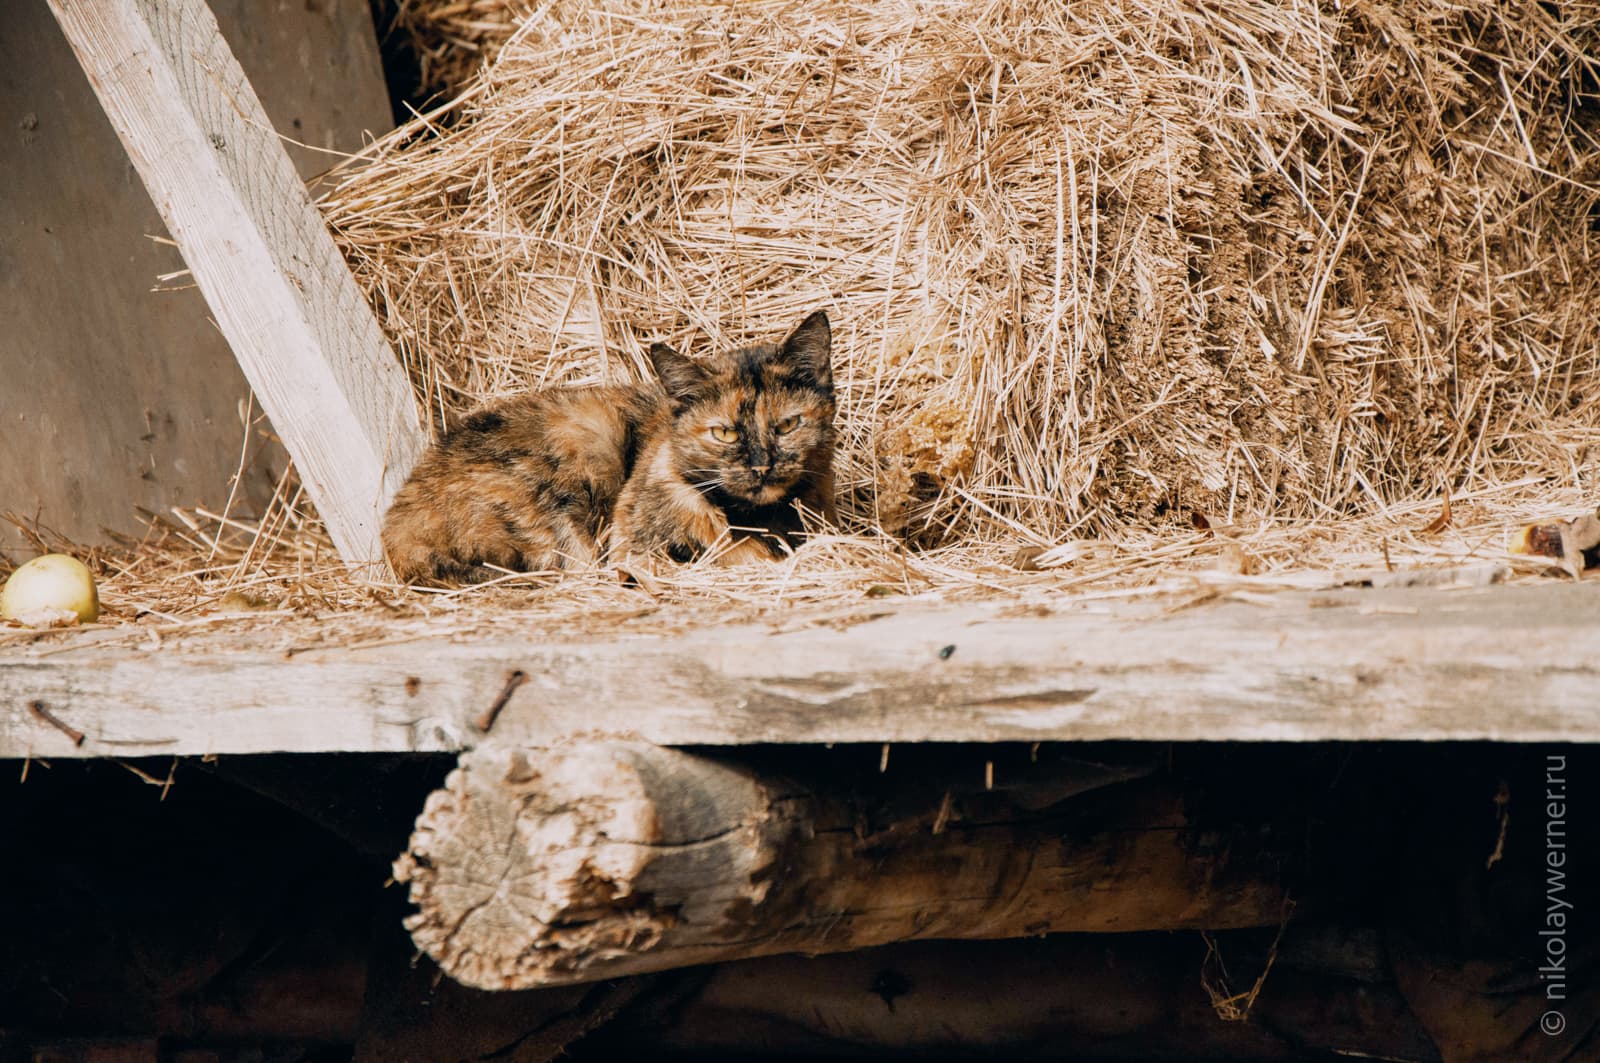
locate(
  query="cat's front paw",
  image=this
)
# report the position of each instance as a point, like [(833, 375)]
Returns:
[(754, 550)]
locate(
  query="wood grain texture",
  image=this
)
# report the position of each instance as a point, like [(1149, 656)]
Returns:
[(597, 859), (258, 250), (1507, 664)]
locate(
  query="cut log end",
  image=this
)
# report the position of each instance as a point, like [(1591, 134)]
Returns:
[(527, 871)]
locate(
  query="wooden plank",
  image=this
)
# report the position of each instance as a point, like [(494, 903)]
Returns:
[(1508, 664), (258, 250)]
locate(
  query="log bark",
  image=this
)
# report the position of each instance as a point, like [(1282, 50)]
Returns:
[(595, 859)]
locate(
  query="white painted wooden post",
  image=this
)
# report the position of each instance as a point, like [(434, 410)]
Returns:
[(259, 251)]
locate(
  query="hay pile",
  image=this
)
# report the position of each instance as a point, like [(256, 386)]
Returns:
[(1092, 267)]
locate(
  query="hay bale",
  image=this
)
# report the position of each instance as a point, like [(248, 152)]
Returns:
[(1091, 265)]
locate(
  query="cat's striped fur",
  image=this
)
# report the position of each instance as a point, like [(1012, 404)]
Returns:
[(711, 456)]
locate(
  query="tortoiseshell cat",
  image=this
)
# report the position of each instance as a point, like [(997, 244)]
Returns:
[(715, 454)]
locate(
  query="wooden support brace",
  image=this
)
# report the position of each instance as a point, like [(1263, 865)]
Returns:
[(595, 859), (259, 252)]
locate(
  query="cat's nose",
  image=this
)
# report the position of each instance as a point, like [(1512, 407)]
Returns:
[(760, 470)]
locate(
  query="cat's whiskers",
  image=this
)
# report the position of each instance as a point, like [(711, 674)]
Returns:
[(447, 525)]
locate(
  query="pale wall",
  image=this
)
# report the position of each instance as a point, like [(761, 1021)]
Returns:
[(112, 397)]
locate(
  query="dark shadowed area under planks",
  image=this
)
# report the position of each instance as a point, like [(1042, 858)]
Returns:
[(284, 941)]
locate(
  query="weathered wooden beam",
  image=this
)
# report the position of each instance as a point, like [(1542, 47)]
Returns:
[(1506, 664), (597, 859), (259, 252)]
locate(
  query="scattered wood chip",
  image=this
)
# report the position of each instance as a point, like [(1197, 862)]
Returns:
[(1026, 559), (245, 602)]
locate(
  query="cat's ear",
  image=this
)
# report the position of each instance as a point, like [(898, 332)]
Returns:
[(810, 347), (681, 376)]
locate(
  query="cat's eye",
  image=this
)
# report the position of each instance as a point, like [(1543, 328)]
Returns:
[(724, 433), (787, 425)]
